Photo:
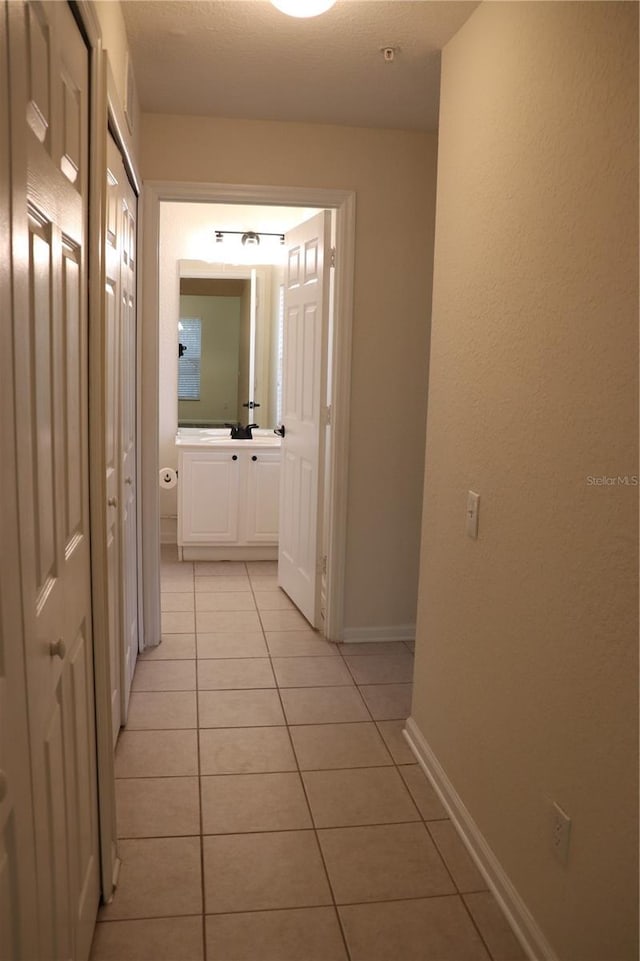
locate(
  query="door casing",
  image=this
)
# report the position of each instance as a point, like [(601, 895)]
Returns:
[(344, 204)]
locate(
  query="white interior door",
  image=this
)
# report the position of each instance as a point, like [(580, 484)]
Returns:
[(128, 486), (18, 924), (50, 90), (111, 432), (120, 418), (306, 321)]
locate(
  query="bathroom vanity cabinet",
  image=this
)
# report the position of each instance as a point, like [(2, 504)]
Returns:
[(228, 499)]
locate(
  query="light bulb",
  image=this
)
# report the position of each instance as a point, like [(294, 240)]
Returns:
[(303, 8)]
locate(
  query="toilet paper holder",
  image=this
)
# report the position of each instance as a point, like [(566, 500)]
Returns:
[(168, 478)]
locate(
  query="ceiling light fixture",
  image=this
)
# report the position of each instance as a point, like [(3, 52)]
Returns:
[(303, 8), (249, 237)]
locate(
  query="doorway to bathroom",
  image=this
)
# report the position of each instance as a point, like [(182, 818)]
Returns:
[(167, 241), (254, 347)]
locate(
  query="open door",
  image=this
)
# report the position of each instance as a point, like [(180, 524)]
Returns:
[(306, 322)]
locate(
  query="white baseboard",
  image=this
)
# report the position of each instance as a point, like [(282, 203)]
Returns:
[(168, 530), (525, 927), (400, 632)]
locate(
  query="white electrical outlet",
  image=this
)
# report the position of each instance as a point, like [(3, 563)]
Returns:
[(473, 508), (560, 833)]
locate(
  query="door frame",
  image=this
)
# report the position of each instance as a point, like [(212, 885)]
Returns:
[(344, 204)]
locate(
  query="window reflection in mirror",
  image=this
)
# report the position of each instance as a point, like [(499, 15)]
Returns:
[(237, 320)]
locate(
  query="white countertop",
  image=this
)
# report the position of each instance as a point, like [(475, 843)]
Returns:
[(197, 437)]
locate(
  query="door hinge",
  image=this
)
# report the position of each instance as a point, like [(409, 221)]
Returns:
[(326, 416), (332, 257)]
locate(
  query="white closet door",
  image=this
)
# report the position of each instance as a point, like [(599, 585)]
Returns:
[(18, 920), (128, 486), (49, 89), (306, 318), (111, 429), (120, 416)]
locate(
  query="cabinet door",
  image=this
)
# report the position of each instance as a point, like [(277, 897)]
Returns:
[(209, 496), (263, 497)]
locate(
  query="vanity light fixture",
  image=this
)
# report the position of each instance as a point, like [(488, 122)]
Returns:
[(249, 237), (303, 8)]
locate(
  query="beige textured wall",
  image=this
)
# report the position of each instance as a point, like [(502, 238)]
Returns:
[(393, 174), (526, 667), (114, 41)]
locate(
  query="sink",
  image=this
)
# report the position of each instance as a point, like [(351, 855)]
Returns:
[(195, 437)]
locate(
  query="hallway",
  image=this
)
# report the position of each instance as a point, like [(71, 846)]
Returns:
[(268, 804)]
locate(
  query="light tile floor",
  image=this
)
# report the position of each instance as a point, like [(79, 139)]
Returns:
[(269, 808)]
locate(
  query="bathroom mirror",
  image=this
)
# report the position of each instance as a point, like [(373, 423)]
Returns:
[(229, 331)]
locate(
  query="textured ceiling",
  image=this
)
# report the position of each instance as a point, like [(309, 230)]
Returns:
[(243, 58)]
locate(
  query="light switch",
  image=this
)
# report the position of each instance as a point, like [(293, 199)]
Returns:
[(473, 507)]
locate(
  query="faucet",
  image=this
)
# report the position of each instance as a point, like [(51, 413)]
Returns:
[(238, 432)]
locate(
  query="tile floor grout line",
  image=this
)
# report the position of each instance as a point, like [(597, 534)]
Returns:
[(406, 786), (474, 923), (320, 851), (357, 686), (302, 907), (150, 917), (310, 770), (324, 827), (280, 830), (447, 868), (349, 904), (203, 931), (397, 766), (277, 689), (297, 723), (308, 803), (305, 770)]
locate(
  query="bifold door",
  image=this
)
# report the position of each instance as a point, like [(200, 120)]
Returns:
[(50, 157)]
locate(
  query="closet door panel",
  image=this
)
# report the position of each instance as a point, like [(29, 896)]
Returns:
[(41, 428), (120, 453), (50, 138), (18, 898), (52, 839), (128, 496), (112, 439), (74, 355)]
